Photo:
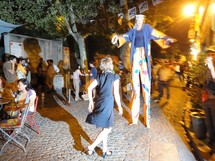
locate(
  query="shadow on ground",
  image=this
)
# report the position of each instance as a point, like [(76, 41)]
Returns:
[(56, 113)]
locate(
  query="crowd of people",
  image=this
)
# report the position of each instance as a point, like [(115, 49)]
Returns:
[(104, 84), (15, 83), (15, 86), (46, 72)]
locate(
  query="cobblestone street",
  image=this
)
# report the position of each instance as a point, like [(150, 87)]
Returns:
[(64, 133), (173, 108)]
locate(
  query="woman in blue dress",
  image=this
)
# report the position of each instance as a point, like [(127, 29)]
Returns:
[(101, 114)]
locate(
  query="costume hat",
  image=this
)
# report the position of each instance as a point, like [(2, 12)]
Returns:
[(140, 17), (211, 48)]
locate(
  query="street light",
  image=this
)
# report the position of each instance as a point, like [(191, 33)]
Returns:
[(189, 10), (213, 7), (194, 51), (196, 12), (213, 16)]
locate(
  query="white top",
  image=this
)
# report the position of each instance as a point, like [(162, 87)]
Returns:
[(32, 95), (76, 74), (57, 70)]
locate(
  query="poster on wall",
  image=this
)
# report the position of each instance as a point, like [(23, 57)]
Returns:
[(154, 2), (66, 58), (16, 49), (143, 7), (132, 13)]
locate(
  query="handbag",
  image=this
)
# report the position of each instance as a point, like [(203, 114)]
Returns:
[(211, 87), (205, 96), (85, 96)]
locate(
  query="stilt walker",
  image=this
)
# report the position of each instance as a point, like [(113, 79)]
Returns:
[(140, 37)]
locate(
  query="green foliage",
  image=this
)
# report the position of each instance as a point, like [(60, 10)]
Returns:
[(6, 12), (197, 78), (51, 15)]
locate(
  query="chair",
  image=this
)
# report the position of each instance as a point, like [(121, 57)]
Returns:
[(30, 118), (11, 128)]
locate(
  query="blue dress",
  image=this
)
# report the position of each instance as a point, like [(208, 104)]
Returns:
[(93, 71), (102, 115)]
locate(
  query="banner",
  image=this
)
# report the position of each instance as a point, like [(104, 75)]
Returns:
[(132, 13), (143, 7), (154, 2), (16, 48)]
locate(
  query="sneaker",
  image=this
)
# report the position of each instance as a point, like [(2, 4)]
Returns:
[(76, 99), (156, 100), (131, 124)]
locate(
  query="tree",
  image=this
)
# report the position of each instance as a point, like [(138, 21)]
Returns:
[(61, 18), (57, 17)]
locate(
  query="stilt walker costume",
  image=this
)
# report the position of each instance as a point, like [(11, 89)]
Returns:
[(140, 37)]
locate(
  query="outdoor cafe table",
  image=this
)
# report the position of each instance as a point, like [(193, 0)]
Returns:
[(3, 101)]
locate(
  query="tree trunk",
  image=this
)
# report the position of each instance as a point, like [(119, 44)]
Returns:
[(125, 49), (82, 50), (72, 29), (125, 56)]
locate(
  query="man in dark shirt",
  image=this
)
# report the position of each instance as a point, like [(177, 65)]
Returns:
[(209, 104)]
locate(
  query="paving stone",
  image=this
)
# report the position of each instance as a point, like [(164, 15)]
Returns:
[(63, 126)]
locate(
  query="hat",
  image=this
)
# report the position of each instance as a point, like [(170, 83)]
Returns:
[(211, 48), (140, 16)]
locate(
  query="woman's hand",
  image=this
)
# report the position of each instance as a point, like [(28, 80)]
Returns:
[(114, 39), (91, 107), (208, 62), (171, 40), (120, 110)]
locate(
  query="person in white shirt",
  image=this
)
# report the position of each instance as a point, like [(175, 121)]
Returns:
[(76, 81), (24, 95), (20, 69), (57, 70)]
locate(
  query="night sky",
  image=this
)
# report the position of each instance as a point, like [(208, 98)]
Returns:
[(179, 28)]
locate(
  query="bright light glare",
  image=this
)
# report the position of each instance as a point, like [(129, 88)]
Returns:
[(201, 10), (194, 52), (213, 7), (189, 10)]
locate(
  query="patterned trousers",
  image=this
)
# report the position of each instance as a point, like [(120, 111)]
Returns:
[(140, 79)]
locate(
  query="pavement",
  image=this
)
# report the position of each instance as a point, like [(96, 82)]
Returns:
[(64, 134)]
